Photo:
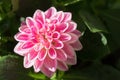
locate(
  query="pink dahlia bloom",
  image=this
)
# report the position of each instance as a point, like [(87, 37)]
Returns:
[(48, 41)]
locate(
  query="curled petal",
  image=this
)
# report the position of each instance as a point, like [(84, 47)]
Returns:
[(62, 27), (47, 72), (69, 50), (21, 37), (32, 55), (50, 64), (76, 45), (52, 53), (37, 65), (55, 35), (42, 54), (67, 16), (50, 12), (18, 49), (57, 44), (62, 66), (60, 16), (27, 45), (39, 16), (61, 55), (27, 63), (71, 27), (65, 37)]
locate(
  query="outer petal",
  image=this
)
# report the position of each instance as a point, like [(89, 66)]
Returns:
[(72, 61), (76, 32), (69, 50), (27, 45), (67, 16), (77, 45), (37, 65), (21, 37), (47, 72), (50, 64), (24, 29), (62, 27), (71, 27), (27, 63), (62, 66), (73, 39), (32, 55), (39, 16), (18, 49), (60, 16), (64, 37), (61, 55), (50, 12)]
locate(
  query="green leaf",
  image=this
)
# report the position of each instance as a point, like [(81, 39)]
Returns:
[(11, 68), (93, 72), (103, 39), (112, 19), (93, 22)]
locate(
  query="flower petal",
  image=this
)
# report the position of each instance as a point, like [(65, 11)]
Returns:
[(62, 27), (21, 37), (71, 27), (42, 54), (77, 45), (27, 63), (27, 45), (52, 53), (69, 50), (50, 12), (73, 39), (50, 64), (47, 72), (67, 16), (62, 66), (18, 49), (37, 65), (61, 55), (55, 35), (57, 44), (39, 16), (76, 32), (64, 37), (32, 55), (24, 29), (60, 16), (72, 61)]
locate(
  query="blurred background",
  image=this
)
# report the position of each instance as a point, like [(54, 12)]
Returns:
[(99, 22)]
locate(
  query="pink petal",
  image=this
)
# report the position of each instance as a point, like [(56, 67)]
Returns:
[(27, 63), (61, 55), (62, 66), (69, 50), (50, 12), (50, 64), (73, 39), (21, 37), (57, 44), (31, 23), (67, 16), (39, 16), (24, 29), (60, 16), (32, 55), (65, 37), (62, 27), (37, 65), (47, 72), (18, 49), (76, 32), (55, 35), (72, 61), (52, 53), (72, 26), (42, 54), (77, 45), (27, 45)]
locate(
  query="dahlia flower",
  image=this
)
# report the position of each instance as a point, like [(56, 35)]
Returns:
[(48, 41)]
